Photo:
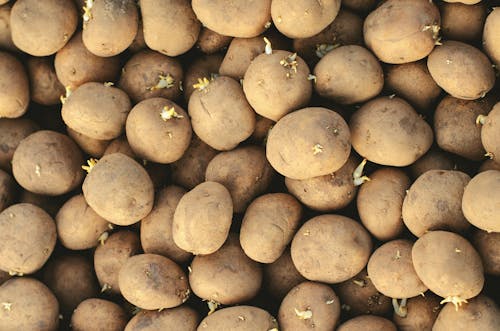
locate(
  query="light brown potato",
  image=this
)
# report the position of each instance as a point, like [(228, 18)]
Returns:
[(31, 304), (156, 228), (45, 88), (338, 243), (14, 87), (98, 314), (202, 219), (244, 171), (111, 27), (368, 322), (210, 42), (269, 225), (41, 28), (276, 84), (304, 18), (202, 66), (149, 74), (421, 312), (434, 159), (439, 193), (5, 33), (241, 318), (462, 22), (97, 111), (12, 132), (309, 305), (388, 131), (120, 145), (466, 2), (490, 133), (8, 190), (309, 142), (491, 39), (91, 146), (234, 18), (462, 70), (488, 246), (112, 255), (181, 318), (151, 282), (281, 276), (170, 27), (349, 74)]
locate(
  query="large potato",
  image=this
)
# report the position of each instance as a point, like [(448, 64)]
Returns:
[(181, 318), (93, 314), (14, 87), (491, 38), (241, 318)]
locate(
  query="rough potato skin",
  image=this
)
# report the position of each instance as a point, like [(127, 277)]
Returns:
[(98, 314), (488, 246), (12, 132), (490, 133), (491, 39), (181, 318), (367, 322), (281, 276), (45, 88), (14, 87), (241, 318)]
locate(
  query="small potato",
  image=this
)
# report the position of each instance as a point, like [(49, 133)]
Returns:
[(309, 142), (156, 228), (98, 314), (491, 39), (151, 282), (490, 133), (111, 255), (210, 42), (97, 111), (170, 26), (27, 304), (281, 276), (12, 132), (202, 219), (120, 145), (49, 204), (481, 201), (138, 44), (25, 231), (8, 190), (309, 305), (119, 189), (41, 28), (488, 246), (149, 74), (111, 26), (303, 18), (276, 84), (367, 322), (434, 159), (234, 18), (434, 202), (338, 243), (181, 318), (241, 318), (349, 74), (244, 171), (463, 71), (489, 165), (419, 313), (5, 33), (45, 88), (14, 87), (269, 225), (202, 66), (462, 22), (359, 5), (391, 27), (227, 276), (91, 146), (262, 128), (388, 131)]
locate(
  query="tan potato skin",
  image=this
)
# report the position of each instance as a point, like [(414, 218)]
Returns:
[(434, 159), (90, 146), (14, 87), (241, 318), (490, 133), (422, 311), (5, 33), (367, 322), (491, 39), (93, 314), (462, 22), (12, 132), (120, 145), (281, 276), (181, 318), (45, 88), (488, 246)]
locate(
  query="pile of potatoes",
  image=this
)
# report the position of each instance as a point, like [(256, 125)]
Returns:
[(216, 165)]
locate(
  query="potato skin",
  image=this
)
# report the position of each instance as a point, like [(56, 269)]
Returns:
[(202, 66), (181, 318), (5, 34), (421, 313), (8, 190), (254, 319), (14, 87), (281, 276), (92, 314), (490, 133), (434, 159), (491, 40), (12, 132), (488, 246), (210, 42), (120, 145), (367, 322), (90, 146), (462, 22), (45, 88)]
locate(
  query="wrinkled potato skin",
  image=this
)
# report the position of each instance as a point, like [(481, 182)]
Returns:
[(367, 322), (462, 22), (181, 318), (45, 88), (230, 319), (14, 87), (488, 246), (421, 313), (491, 38), (12, 132), (92, 314), (490, 133), (281, 276)]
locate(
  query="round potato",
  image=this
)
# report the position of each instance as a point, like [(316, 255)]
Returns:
[(8, 190), (91, 146), (45, 88), (12, 132), (210, 42), (241, 318), (491, 39), (490, 133), (181, 318), (466, 2), (367, 322), (5, 33), (488, 246), (419, 313), (462, 22), (434, 159), (203, 66), (120, 145), (97, 314), (281, 276), (14, 87)]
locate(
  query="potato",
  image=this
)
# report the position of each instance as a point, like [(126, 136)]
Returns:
[(202, 218), (27, 238), (12, 131), (98, 314), (120, 145), (110, 256), (75, 65), (91, 146), (14, 87), (210, 42), (462, 22), (45, 88), (388, 131), (419, 313), (245, 173), (448, 265), (304, 18), (5, 33), (170, 27), (281, 276), (462, 70), (156, 228), (309, 305), (234, 18), (72, 280), (138, 44), (109, 27), (467, 2), (47, 162), (360, 5), (151, 281), (203, 66), (391, 271), (262, 128), (41, 28), (434, 159), (227, 276), (8, 190), (4, 276), (119, 189), (97, 111), (338, 243), (481, 313), (28, 305), (413, 82), (491, 40), (269, 225), (309, 142), (149, 74), (367, 322), (438, 193), (181, 318), (349, 74), (489, 165), (379, 203), (329, 192), (241, 318), (276, 84), (49, 204), (481, 201), (488, 246), (490, 133)]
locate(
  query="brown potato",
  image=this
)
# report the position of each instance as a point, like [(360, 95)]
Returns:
[(120, 145), (489, 165), (45, 88), (210, 42), (49, 204), (8, 190), (419, 313), (488, 246), (203, 66), (91, 146), (98, 314), (241, 318), (4, 276), (490, 133), (41, 28), (138, 44), (12, 131), (151, 282), (309, 142), (14, 87), (491, 39), (388, 131), (367, 322), (262, 128), (28, 305), (181, 318), (466, 2), (281, 276), (359, 5), (462, 22), (5, 33), (462, 70), (434, 159), (202, 219)]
